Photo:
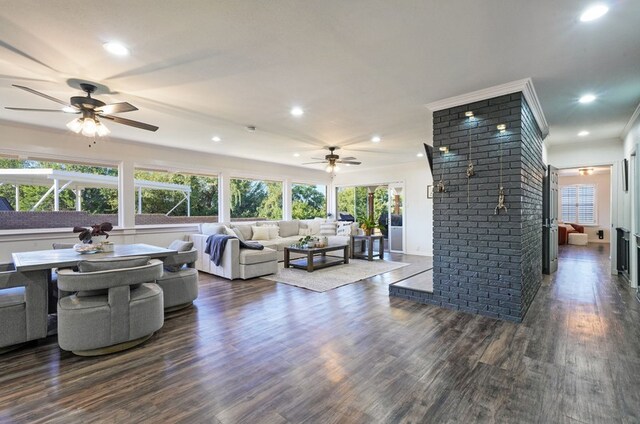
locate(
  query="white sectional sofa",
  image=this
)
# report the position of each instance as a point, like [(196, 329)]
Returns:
[(237, 265)]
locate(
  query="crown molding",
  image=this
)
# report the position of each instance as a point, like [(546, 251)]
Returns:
[(524, 85), (632, 121)]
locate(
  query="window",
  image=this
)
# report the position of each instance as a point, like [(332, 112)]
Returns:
[(255, 199), (172, 198), (308, 201), (579, 204), (43, 194)]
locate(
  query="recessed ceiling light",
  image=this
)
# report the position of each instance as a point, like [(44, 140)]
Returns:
[(594, 12), (296, 155), (583, 133), (420, 155), (216, 138), (587, 98), (376, 139), (297, 111), (116, 48)]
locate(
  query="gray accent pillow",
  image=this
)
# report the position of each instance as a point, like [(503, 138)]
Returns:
[(238, 234), (246, 231), (181, 246), (112, 263), (289, 228)]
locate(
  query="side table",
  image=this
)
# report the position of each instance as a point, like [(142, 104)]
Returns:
[(366, 250)]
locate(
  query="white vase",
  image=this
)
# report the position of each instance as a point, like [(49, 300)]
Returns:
[(97, 240)]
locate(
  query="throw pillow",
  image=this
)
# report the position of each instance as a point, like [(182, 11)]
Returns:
[(181, 246), (328, 229), (304, 232), (260, 233), (344, 228), (314, 226), (233, 232), (245, 230)]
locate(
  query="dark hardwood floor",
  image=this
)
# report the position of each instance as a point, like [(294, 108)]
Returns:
[(263, 352)]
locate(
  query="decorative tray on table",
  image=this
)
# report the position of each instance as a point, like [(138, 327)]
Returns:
[(86, 249)]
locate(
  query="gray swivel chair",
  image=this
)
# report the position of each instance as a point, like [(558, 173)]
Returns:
[(109, 305), (179, 282), (23, 309)]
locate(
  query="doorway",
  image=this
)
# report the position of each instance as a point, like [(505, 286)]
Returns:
[(383, 202)]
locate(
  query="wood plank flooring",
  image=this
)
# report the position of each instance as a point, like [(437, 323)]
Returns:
[(263, 352)]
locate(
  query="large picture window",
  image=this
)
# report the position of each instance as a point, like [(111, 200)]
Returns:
[(45, 194), (255, 199), (308, 201), (579, 204), (171, 197)]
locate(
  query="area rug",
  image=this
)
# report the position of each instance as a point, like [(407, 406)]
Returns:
[(329, 278)]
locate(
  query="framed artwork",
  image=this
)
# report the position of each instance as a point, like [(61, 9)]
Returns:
[(429, 192)]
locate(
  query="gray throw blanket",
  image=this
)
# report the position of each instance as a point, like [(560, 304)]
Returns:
[(216, 243)]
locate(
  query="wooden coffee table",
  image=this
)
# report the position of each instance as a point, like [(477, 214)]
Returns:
[(316, 257)]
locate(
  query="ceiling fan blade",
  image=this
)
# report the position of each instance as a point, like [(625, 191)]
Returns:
[(312, 163), (349, 158), (318, 158), (38, 110), (117, 108), (37, 93), (349, 162), (129, 122)]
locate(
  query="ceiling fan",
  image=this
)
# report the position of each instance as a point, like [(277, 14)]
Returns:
[(91, 109), (332, 160)]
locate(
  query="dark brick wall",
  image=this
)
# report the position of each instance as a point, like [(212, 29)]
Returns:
[(485, 263)]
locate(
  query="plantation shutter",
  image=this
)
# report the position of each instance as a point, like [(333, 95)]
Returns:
[(579, 204), (586, 204), (569, 194)]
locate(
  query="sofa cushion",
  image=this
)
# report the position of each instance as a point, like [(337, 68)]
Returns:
[(210, 229), (260, 233), (245, 229), (289, 228), (249, 256), (274, 231)]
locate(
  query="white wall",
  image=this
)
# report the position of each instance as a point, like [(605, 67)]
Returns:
[(23, 141), (603, 201), (575, 155), (418, 209), (631, 200)]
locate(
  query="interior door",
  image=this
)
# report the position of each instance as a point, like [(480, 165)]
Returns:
[(550, 221)]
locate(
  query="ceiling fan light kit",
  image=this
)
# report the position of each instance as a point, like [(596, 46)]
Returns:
[(89, 125), (332, 160)]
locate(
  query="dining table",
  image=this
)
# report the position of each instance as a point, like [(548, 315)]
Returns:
[(37, 266)]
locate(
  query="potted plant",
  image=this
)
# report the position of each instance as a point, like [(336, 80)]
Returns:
[(98, 230), (368, 225)]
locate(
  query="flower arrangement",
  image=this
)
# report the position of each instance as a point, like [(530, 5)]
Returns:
[(86, 234), (307, 241)]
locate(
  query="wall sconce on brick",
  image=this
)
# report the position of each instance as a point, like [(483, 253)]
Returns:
[(444, 149), (502, 127)]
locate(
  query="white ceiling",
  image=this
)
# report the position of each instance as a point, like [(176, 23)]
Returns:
[(358, 68)]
